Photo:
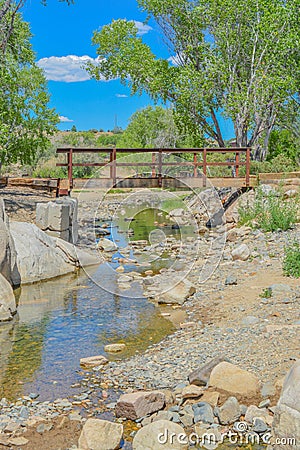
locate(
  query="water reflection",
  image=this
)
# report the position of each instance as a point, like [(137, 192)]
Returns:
[(63, 320)]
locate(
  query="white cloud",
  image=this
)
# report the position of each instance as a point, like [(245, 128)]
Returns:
[(142, 27), (65, 119), (121, 95), (66, 68)]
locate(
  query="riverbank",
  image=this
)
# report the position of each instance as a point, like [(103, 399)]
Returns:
[(233, 314)]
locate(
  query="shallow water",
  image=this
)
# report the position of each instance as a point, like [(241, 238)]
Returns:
[(63, 320)]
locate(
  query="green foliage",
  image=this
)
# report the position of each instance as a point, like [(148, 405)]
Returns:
[(108, 140), (270, 212), (284, 142), (228, 59), (156, 128), (25, 119), (279, 164), (266, 293), (291, 263)]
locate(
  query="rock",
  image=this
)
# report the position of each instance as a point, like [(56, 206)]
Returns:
[(106, 245), (100, 435), (253, 412), (177, 294), (231, 280), (7, 300), (229, 412), (8, 256), (232, 379), (139, 404), (203, 412), (287, 415), (179, 212), (280, 289), (200, 377), (187, 419), (211, 397), (259, 426), (291, 193), (250, 320), (241, 253), (191, 391), (160, 435), (93, 361), (59, 218), (232, 235), (40, 257), (114, 348), (18, 441)]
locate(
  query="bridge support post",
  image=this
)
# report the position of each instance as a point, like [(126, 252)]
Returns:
[(248, 158), (114, 166), (195, 166), (70, 167), (160, 169), (237, 163), (153, 165), (204, 166)]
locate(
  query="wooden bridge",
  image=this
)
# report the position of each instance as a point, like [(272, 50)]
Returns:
[(163, 171)]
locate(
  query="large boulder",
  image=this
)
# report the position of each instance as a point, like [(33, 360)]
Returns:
[(286, 425), (7, 249), (200, 376), (7, 300), (41, 257), (100, 435), (234, 380), (59, 218), (160, 435), (139, 404), (177, 294)]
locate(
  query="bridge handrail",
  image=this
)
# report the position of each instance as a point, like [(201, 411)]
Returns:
[(112, 151)]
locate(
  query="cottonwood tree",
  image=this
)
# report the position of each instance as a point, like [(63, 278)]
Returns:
[(155, 128), (236, 59), (25, 119)]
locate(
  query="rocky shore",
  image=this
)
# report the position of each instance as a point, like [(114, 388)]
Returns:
[(222, 371)]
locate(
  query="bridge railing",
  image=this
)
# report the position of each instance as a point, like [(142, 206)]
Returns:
[(157, 163)]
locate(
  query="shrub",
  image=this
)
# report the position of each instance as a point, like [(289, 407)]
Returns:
[(271, 212), (291, 263)]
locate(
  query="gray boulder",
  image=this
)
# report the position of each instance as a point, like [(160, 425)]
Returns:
[(8, 256), (41, 257), (229, 412), (286, 425), (7, 300)]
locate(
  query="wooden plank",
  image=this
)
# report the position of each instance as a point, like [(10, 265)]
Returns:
[(278, 176)]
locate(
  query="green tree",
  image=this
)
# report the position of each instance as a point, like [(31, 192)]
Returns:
[(284, 142), (74, 129), (236, 59), (25, 119), (155, 128)]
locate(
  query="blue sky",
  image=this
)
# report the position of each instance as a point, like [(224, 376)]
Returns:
[(62, 41)]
